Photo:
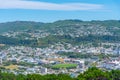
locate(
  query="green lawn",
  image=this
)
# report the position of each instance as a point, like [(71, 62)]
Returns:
[(58, 66)]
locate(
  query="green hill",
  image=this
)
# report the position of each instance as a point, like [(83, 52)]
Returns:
[(64, 31), (25, 25), (19, 25)]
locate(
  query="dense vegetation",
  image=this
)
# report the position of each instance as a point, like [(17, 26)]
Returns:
[(15, 41), (81, 39), (19, 25), (90, 74), (55, 38), (75, 55), (24, 25)]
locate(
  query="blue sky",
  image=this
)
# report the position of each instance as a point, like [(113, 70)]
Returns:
[(52, 10)]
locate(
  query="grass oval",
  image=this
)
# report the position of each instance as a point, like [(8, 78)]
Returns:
[(68, 66)]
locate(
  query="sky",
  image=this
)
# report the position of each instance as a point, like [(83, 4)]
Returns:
[(53, 10)]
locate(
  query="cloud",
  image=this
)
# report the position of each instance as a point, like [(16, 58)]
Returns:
[(25, 4)]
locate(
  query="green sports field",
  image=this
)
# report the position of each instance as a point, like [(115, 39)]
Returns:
[(58, 66)]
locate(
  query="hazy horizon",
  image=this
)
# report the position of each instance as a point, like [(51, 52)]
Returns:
[(56, 20)]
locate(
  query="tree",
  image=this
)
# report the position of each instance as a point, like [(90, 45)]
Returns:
[(94, 74), (115, 74)]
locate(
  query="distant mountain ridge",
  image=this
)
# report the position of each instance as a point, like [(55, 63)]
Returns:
[(64, 31), (25, 25), (19, 25)]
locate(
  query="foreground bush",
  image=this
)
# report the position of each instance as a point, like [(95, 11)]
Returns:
[(90, 74)]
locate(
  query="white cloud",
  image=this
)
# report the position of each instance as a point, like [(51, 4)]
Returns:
[(23, 4)]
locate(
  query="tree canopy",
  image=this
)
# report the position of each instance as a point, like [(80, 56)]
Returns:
[(91, 74)]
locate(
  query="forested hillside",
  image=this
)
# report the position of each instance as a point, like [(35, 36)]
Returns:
[(65, 31), (90, 74)]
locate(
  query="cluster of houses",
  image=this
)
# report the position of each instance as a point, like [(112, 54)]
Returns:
[(35, 60), (40, 60), (110, 64)]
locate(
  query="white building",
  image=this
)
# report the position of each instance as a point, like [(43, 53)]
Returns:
[(44, 70)]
